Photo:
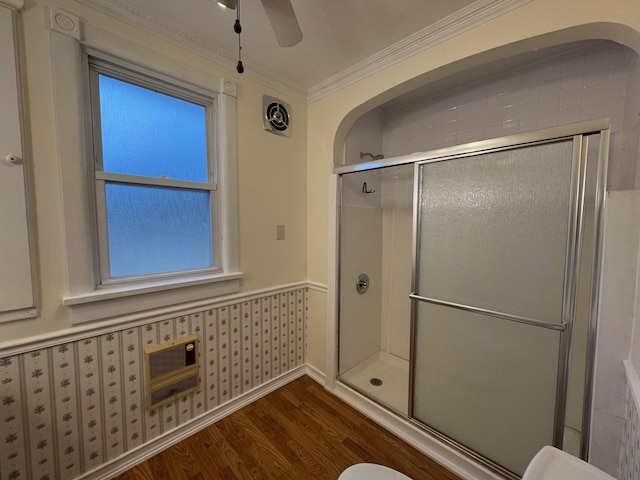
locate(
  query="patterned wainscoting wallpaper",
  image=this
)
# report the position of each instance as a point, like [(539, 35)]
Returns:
[(70, 408), (630, 458)]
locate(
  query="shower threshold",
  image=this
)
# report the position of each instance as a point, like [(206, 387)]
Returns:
[(383, 377)]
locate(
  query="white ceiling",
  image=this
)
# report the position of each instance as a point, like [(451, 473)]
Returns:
[(337, 34)]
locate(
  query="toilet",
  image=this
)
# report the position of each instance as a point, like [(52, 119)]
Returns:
[(371, 471), (549, 463)]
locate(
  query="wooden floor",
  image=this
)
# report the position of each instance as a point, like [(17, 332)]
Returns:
[(297, 432)]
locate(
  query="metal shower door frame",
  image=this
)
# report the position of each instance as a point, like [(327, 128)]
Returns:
[(599, 127), (578, 134)]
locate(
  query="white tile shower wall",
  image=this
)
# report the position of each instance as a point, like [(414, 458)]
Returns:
[(396, 281), (69, 408), (587, 83), (360, 252), (630, 455), (365, 136), (397, 187), (354, 186), (631, 142)]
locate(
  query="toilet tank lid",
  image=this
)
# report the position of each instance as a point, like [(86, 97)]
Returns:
[(551, 463)]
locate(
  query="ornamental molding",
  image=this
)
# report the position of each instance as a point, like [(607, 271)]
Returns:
[(228, 87), (13, 4), (65, 23)]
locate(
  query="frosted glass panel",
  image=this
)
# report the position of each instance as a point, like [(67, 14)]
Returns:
[(487, 383), (151, 134), (493, 230), (144, 223)]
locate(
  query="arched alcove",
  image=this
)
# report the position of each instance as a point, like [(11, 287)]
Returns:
[(537, 89), (518, 88)]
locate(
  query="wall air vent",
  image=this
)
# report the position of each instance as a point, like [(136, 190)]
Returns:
[(276, 116), (172, 370)]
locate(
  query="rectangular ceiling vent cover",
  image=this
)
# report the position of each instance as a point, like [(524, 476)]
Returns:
[(276, 116), (172, 370)]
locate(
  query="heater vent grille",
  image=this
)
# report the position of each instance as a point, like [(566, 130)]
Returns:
[(172, 370)]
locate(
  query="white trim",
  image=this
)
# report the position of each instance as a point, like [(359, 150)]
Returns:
[(156, 182), (318, 287), (18, 314), (446, 456), (465, 19), (13, 4), (333, 270), (134, 457), (316, 374), (633, 380), (64, 22), (69, 80), (461, 21), (120, 291), (81, 332)]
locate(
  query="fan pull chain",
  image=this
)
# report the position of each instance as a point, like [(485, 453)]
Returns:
[(238, 29)]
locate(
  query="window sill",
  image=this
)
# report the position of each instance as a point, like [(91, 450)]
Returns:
[(124, 300)]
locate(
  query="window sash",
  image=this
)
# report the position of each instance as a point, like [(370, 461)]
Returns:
[(175, 89)]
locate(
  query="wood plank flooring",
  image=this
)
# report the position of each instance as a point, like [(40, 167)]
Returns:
[(297, 432)]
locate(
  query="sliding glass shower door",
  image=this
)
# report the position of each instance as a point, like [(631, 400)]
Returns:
[(496, 240)]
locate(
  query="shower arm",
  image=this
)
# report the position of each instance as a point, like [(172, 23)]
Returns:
[(373, 157)]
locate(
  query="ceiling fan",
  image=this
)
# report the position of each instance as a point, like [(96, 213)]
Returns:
[(282, 18)]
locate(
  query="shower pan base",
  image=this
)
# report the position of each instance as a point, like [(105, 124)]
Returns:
[(391, 370)]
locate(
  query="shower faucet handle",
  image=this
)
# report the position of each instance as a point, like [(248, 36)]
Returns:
[(362, 283)]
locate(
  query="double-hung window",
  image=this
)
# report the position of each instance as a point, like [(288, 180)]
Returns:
[(154, 177)]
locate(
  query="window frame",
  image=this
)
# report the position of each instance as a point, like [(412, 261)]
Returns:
[(160, 83), (125, 303)]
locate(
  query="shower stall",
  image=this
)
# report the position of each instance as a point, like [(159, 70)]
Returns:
[(468, 281)]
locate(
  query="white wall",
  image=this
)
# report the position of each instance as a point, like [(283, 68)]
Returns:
[(271, 169)]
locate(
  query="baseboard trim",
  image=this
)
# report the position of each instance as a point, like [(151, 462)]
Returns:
[(134, 457), (315, 374)]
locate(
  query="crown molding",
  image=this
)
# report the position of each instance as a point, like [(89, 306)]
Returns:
[(135, 17), (13, 4), (465, 19)]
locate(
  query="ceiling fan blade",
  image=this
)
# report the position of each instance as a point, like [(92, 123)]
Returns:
[(232, 4), (283, 22)]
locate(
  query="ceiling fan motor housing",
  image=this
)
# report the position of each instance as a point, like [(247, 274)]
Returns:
[(276, 116)]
